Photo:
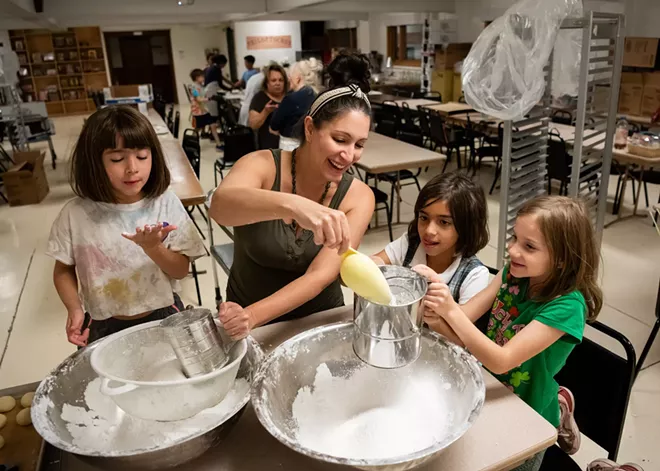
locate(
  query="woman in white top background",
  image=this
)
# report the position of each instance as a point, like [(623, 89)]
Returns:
[(449, 228)]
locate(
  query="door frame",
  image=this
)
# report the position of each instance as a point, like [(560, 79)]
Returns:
[(147, 34)]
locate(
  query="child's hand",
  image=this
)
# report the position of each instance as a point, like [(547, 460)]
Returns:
[(438, 301), (150, 236), (236, 321), (428, 273), (74, 324)]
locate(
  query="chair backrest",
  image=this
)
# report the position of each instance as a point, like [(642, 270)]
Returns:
[(562, 117), (170, 117), (175, 127), (239, 141), (601, 382), (191, 147), (559, 161), (186, 88), (424, 125), (433, 95)]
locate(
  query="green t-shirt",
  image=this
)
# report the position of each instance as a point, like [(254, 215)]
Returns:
[(533, 381)]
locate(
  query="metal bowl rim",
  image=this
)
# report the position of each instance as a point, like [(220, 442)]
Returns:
[(62, 445), (262, 415), (104, 343)]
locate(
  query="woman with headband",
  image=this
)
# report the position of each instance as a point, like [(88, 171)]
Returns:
[(294, 213)]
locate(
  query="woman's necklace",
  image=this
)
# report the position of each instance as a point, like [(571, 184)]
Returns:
[(293, 183)]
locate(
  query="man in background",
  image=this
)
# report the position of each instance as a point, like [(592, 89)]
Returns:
[(249, 72)]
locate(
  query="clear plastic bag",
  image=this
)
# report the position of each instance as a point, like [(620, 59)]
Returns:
[(503, 73), (567, 57)]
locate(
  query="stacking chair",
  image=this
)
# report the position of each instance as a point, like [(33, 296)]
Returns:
[(599, 416)]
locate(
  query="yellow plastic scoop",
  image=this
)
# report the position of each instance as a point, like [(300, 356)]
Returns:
[(361, 274)]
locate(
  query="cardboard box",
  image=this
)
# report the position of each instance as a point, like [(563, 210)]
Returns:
[(458, 87), (25, 182), (446, 57), (443, 81), (630, 93), (650, 100), (640, 52)]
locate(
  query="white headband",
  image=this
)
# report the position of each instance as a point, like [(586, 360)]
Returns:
[(326, 97)]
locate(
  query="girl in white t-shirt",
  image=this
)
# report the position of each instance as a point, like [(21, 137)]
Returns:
[(450, 227), (122, 243)]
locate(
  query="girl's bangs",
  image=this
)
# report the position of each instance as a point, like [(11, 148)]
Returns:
[(135, 134)]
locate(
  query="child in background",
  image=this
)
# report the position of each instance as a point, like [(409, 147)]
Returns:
[(449, 228), (249, 71), (540, 303), (201, 116), (122, 243)]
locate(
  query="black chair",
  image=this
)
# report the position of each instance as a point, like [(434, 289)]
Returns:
[(159, 105), (239, 141), (191, 148), (441, 137), (424, 125), (652, 336), (600, 415), (382, 205), (386, 119), (175, 127), (562, 117), (170, 117), (559, 163)]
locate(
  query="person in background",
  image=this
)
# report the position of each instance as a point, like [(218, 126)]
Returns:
[(293, 213), (449, 228), (251, 89), (538, 304), (275, 86), (209, 61), (305, 82), (249, 72), (214, 73), (201, 116), (121, 245)]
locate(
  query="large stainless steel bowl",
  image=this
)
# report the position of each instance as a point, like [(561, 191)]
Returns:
[(450, 374), (67, 385)]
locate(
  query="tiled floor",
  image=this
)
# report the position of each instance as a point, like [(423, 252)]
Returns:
[(32, 317)]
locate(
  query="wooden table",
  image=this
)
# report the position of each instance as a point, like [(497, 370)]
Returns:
[(413, 103), (383, 154), (381, 98), (184, 182), (506, 433), (622, 156), (447, 109)]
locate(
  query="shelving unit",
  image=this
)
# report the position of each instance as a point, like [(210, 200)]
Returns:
[(61, 68)]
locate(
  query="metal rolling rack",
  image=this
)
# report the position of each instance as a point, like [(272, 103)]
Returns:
[(525, 141)]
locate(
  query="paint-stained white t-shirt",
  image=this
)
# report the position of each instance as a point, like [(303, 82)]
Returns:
[(115, 276)]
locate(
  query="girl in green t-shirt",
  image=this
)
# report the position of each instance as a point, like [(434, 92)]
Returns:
[(539, 303)]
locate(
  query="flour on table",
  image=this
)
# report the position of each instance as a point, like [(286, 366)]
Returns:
[(338, 417), (103, 427)]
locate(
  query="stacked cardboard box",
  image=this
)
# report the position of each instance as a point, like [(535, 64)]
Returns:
[(651, 97), (630, 93), (25, 182), (640, 52), (444, 79)]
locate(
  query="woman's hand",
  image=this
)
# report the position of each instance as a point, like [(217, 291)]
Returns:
[(150, 236), (236, 321), (330, 227), (74, 324), (270, 107)]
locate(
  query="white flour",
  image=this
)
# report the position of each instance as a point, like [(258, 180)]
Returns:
[(372, 414), (103, 427)]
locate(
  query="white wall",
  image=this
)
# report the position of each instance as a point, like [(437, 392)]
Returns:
[(472, 14), (643, 18), (188, 45), (364, 37), (4, 38), (244, 29)]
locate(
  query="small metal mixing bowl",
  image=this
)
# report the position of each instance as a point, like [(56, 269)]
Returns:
[(455, 378), (66, 384)]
